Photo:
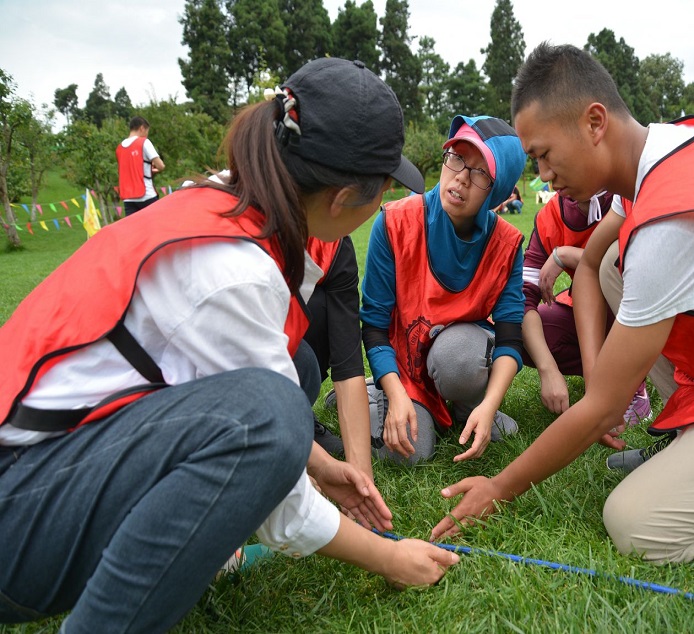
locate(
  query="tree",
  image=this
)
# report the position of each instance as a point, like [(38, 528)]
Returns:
[(467, 91), (122, 106), (401, 67), (90, 158), (38, 141), (661, 80), (205, 73), (14, 114), (65, 100), (308, 30), (355, 34), (687, 105), (505, 54), (257, 38), (623, 66), (188, 141), (99, 105), (423, 143), (434, 84)]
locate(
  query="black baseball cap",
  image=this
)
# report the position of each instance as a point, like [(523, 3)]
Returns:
[(350, 120)]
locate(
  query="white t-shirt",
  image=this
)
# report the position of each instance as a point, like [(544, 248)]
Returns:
[(659, 271), (200, 316), (149, 154)]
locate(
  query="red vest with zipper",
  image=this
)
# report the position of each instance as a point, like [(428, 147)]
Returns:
[(69, 310), (424, 307), (131, 169), (666, 191)]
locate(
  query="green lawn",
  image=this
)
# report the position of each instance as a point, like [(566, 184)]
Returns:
[(557, 521)]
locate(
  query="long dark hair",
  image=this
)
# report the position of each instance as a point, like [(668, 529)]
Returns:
[(273, 180)]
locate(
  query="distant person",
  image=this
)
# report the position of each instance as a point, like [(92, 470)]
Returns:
[(138, 161), (512, 205)]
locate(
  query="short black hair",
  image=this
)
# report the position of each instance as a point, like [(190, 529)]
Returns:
[(564, 79), (137, 122)]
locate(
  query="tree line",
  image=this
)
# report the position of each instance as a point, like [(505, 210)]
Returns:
[(237, 48)]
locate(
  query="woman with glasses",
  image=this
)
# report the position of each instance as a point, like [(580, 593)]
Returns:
[(442, 301)]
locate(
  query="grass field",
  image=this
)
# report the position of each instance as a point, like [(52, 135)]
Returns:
[(558, 521)]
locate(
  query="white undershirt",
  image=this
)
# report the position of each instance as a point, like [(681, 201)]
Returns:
[(659, 267)]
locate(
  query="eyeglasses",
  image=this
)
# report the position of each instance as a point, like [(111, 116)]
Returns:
[(456, 163)]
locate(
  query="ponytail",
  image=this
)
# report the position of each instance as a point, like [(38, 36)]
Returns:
[(266, 175)]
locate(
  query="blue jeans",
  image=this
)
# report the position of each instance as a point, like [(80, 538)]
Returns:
[(125, 521)]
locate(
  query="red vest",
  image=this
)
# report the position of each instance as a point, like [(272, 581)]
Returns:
[(424, 307), (553, 231), (666, 191), (69, 310), (131, 169), (323, 254)]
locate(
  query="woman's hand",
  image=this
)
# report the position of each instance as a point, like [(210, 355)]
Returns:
[(355, 492), (400, 419), (480, 422)]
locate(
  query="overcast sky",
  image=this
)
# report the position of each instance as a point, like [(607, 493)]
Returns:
[(49, 44)]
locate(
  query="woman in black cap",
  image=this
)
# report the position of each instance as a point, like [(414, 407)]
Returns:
[(155, 422)]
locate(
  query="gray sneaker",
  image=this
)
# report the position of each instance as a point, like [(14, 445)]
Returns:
[(502, 426), (630, 459), (330, 401), (326, 439)]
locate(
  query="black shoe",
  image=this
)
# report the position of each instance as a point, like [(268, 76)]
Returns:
[(326, 439), (629, 460)]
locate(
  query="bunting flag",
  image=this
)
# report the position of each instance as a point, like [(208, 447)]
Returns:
[(537, 184), (53, 206), (91, 222)]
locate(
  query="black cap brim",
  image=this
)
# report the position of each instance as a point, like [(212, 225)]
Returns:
[(409, 176)]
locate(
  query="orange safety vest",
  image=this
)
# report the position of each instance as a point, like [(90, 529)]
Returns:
[(70, 310), (131, 169), (666, 192), (424, 307), (553, 231), (323, 254)]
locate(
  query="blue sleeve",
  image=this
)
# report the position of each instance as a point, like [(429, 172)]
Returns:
[(510, 306), (378, 296), (378, 286)]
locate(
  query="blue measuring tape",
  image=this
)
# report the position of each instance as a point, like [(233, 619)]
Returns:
[(468, 550)]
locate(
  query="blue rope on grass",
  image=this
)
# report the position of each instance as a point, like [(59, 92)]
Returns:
[(468, 550)]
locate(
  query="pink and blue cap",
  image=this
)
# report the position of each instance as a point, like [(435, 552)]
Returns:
[(467, 133)]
